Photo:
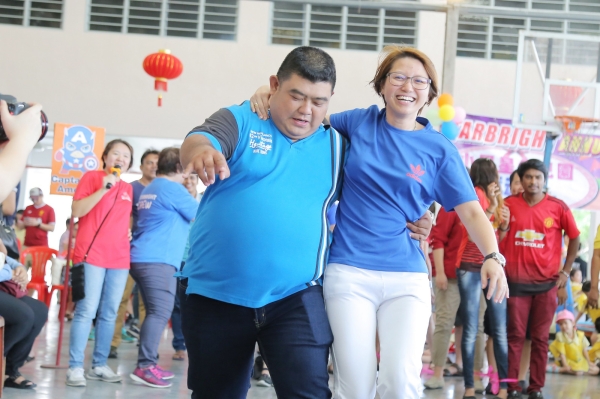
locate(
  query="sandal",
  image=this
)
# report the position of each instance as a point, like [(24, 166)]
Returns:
[(10, 382), (458, 373), (179, 355)]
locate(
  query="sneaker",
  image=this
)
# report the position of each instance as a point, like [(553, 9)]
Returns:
[(536, 395), (434, 383), (113, 353), (264, 381), (514, 395), (75, 377), (134, 331), (125, 337), (164, 374), (103, 373), (149, 376)]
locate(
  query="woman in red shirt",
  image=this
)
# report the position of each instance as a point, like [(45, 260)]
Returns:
[(102, 202)]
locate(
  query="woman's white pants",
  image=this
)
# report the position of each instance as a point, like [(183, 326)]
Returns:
[(361, 303)]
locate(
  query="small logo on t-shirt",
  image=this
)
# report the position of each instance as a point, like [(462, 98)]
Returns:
[(40, 213), (417, 172), (261, 143), (548, 222), (529, 238), (126, 197)]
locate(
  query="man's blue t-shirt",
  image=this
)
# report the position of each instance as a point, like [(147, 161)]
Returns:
[(262, 234), (137, 191), (391, 177), (165, 209)]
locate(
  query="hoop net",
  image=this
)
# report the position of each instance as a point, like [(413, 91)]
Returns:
[(579, 134)]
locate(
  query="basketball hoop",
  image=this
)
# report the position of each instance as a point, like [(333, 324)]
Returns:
[(571, 124), (578, 134)]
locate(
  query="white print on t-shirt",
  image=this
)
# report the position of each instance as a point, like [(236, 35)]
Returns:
[(146, 201), (529, 237), (261, 143), (126, 197)]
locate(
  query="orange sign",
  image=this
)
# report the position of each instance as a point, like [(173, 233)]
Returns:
[(76, 150)]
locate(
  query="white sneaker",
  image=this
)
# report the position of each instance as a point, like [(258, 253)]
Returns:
[(434, 383), (75, 377), (103, 373)]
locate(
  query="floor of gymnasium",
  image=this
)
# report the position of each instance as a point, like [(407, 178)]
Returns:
[(51, 383)]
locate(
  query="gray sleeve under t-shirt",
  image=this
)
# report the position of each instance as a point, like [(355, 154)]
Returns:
[(222, 126)]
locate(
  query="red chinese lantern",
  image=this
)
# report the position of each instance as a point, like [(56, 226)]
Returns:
[(162, 66)]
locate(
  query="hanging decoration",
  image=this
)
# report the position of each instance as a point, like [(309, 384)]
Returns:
[(447, 117), (162, 66)]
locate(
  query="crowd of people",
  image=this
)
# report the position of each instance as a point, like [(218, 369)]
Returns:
[(256, 262)]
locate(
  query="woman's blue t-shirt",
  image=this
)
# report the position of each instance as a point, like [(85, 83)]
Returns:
[(391, 177)]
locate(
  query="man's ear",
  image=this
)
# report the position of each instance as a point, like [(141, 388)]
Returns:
[(274, 83)]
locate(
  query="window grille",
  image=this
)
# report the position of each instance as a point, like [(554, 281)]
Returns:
[(472, 36), (12, 12), (44, 13)]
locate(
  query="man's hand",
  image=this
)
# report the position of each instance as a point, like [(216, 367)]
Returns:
[(592, 297), (422, 227), (441, 281), (494, 272), (25, 127), (562, 296), (562, 280), (206, 163), (505, 215)]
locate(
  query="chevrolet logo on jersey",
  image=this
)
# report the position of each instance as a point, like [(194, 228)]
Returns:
[(529, 238)]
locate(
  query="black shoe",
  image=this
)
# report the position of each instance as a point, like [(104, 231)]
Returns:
[(258, 367), (514, 395), (535, 395), (113, 353), (523, 384)]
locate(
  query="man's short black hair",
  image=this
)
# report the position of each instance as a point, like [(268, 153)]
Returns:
[(149, 151), (586, 286), (20, 212), (532, 164), (574, 271), (512, 177), (68, 221), (310, 63)]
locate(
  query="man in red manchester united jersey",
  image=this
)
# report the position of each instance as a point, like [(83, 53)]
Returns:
[(532, 247)]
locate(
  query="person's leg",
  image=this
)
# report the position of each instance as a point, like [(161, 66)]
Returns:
[(479, 343), (469, 284), (458, 333), (402, 322), (294, 339), (351, 302), (543, 307), (116, 339), (220, 340), (178, 340), (18, 319), (112, 292), (497, 319), (16, 356), (157, 285), (446, 305), (85, 312), (518, 308), (141, 306), (525, 360)]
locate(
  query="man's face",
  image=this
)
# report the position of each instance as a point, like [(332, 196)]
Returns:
[(191, 184), (149, 166), (37, 199), (515, 185), (533, 182), (298, 106)]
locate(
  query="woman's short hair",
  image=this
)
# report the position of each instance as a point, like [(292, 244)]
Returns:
[(109, 147), (391, 54), (169, 162)]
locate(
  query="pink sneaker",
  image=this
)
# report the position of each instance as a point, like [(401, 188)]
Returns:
[(165, 374), (149, 376)]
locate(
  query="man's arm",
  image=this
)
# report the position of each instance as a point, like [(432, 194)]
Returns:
[(199, 155), (46, 226), (593, 294), (571, 255), (9, 205)]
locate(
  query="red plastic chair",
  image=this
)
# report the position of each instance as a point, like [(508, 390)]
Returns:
[(39, 257)]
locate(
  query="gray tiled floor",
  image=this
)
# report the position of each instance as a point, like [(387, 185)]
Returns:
[(51, 383)]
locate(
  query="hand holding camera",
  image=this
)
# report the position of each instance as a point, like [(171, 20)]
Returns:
[(23, 125)]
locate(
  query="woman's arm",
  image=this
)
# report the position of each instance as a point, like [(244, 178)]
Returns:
[(9, 206), (83, 206), (259, 103), (481, 232)]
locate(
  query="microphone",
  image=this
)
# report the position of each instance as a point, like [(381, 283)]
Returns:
[(115, 170)]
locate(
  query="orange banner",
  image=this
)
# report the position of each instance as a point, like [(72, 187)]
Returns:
[(76, 150)]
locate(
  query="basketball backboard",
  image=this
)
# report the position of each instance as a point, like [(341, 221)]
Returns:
[(557, 74)]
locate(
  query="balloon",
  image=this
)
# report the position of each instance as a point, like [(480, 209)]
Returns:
[(446, 112), (445, 99), (459, 115), (450, 130), (433, 117)]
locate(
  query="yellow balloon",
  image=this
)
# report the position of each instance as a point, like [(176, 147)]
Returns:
[(446, 112)]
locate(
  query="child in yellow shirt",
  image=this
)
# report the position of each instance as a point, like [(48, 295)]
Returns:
[(594, 351), (570, 348)]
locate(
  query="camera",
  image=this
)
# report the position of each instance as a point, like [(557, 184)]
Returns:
[(15, 108)]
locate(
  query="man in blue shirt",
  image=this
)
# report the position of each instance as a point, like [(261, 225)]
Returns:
[(260, 241)]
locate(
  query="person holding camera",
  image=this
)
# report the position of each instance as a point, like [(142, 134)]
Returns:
[(18, 135)]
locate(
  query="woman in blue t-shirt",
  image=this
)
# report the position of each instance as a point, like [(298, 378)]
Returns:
[(376, 280), (165, 210)]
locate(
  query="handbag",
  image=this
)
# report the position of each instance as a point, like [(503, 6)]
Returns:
[(8, 238), (77, 276), (12, 288)]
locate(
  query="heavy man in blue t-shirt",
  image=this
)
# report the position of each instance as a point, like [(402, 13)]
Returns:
[(260, 241)]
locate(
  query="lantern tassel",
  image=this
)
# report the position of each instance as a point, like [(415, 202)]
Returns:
[(160, 84), (160, 100)]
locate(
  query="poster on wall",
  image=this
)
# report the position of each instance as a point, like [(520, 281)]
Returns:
[(77, 149), (574, 174)]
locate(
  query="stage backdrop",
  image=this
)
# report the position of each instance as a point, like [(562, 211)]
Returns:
[(76, 150), (574, 166)]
